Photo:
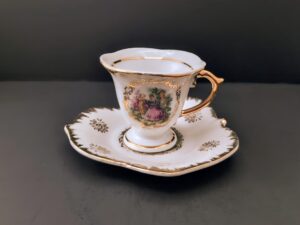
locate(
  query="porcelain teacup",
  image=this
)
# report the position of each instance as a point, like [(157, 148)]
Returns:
[(152, 86)]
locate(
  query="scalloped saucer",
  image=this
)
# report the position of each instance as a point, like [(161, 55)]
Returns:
[(203, 141)]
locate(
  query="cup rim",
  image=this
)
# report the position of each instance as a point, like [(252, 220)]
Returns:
[(190, 59)]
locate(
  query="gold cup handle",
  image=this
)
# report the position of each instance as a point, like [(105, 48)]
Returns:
[(215, 82)]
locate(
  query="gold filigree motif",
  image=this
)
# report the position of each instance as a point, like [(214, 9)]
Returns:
[(128, 90), (193, 118), (209, 145), (153, 82), (178, 93), (99, 125)]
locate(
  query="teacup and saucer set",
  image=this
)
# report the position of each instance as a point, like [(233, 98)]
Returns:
[(157, 130)]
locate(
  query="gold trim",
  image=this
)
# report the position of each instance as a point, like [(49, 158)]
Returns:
[(167, 83), (152, 147)]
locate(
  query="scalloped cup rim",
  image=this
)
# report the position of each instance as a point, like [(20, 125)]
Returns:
[(191, 59)]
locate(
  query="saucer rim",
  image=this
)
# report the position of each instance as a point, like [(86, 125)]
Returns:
[(151, 170)]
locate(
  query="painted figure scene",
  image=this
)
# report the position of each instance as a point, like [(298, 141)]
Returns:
[(151, 108)]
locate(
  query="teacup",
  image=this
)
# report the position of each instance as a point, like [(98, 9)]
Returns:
[(152, 86)]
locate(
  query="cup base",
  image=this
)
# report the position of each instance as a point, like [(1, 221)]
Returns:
[(147, 145)]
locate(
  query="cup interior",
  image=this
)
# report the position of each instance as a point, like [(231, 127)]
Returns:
[(152, 61), (150, 65)]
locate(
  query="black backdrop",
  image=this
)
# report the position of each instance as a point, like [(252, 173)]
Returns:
[(254, 40)]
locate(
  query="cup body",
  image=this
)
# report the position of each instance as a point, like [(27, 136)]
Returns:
[(151, 104), (151, 87)]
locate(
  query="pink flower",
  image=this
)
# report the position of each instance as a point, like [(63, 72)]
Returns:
[(154, 114)]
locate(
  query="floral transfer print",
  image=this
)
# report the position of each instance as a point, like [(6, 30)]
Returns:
[(150, 107), (209, 145), (193, 118), (99, 125), (178, 93), (127, 92)]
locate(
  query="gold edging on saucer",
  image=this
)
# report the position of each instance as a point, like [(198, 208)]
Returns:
[(150, 170), (153, 170), (89, 110)]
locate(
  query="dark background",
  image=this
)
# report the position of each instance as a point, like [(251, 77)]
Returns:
[(242, 41)]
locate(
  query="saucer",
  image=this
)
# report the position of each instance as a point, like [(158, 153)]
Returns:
[(203, 140)]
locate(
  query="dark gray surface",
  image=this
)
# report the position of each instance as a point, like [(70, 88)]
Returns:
[(43, 181), (61, 40)]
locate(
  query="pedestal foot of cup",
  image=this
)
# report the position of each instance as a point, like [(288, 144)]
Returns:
[(150, 145)]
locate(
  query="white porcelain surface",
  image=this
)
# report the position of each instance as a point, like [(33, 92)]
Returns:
[(203, 141)]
